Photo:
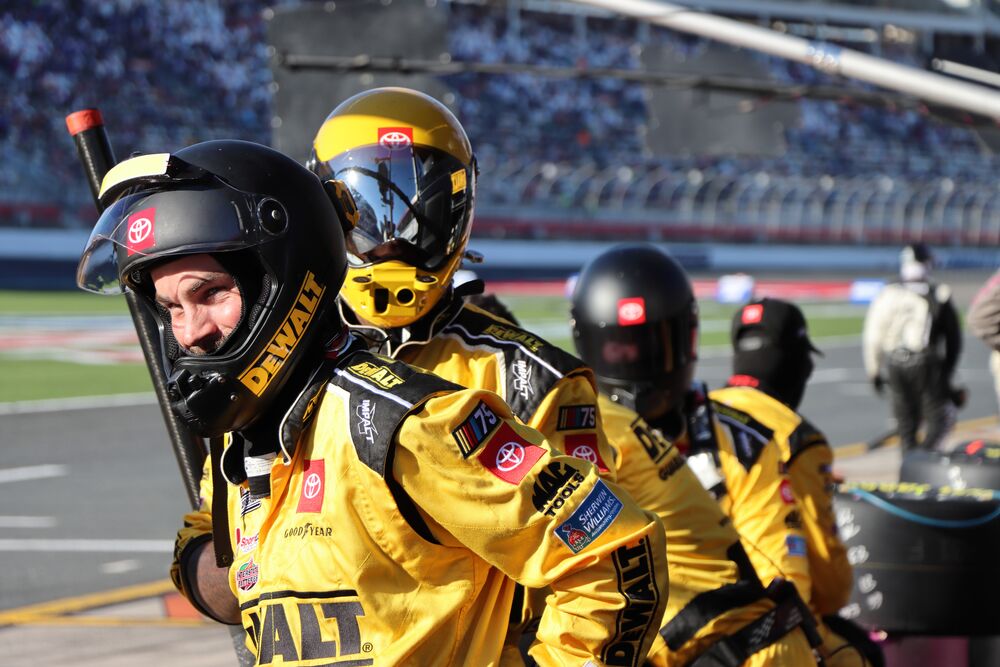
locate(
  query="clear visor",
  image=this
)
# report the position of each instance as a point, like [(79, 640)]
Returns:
[(413, 203), (144, 225)]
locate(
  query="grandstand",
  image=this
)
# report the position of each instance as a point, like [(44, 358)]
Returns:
[(586, 156)]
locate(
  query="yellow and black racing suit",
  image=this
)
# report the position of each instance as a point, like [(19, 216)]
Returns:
[(546, 388), (400, 519), (804, 546), (717, 608)]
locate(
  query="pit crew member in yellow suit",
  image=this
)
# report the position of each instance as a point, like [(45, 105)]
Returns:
[(635, 322), (364, 510), (411, 171), (772, 362)]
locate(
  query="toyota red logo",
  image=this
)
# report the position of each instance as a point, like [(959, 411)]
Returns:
[(395, 140), (631, 311), (586, 452), (509, 456), (312, 486), (139, 230)]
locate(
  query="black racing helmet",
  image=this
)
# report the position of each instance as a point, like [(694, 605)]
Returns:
[(635, 322), (270, 222)]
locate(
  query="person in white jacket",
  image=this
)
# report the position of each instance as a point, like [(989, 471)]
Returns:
[(911, 343)]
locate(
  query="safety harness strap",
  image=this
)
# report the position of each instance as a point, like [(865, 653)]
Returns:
[(788, 613), (220, 508)]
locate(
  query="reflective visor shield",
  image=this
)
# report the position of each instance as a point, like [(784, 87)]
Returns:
[(146, 225), (414, 203)]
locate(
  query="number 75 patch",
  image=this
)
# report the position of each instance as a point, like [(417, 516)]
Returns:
[(476, 429)]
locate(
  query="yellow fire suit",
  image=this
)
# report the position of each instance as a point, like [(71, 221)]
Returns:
[(399, 520), (714, 592), (548, 389), (800, 485)]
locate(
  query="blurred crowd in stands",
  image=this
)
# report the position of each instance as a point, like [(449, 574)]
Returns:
[(168, 74)]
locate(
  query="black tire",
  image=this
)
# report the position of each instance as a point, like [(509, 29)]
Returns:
[(925, 558), (973, 464)]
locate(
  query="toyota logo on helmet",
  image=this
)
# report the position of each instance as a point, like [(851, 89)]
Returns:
[(395, 137)]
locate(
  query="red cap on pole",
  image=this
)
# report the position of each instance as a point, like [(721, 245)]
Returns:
[(78, 121)]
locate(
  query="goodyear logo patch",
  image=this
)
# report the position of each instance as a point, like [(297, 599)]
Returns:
[(280, 347), (380, 375), (597, 511), (475, 429), (514, 336), (572, 417)]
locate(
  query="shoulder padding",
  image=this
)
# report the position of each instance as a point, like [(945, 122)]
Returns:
[(749, 435), (533, 365), (803, 437), (382, 393)]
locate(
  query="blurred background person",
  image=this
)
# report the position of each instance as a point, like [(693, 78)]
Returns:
[(912, 341), (983, 320)]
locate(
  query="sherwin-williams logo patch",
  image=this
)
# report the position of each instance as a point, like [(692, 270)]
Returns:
[(313, 483), (597, 511), (474, 430), (796, 545), (140, 230), (584, 446), (572, 417), (380, 375), (509, 456), (269, 362), (247, 575)]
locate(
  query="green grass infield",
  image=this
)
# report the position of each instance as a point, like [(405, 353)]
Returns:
[(41, 372)]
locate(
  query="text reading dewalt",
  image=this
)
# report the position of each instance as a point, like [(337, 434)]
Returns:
[(259, 375)]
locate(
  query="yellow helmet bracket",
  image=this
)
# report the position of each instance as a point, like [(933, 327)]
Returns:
[(390, 294)]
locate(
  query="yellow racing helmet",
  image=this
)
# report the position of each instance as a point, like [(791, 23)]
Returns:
[(409, 166)]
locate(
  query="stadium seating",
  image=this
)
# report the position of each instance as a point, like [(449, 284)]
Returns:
[(560, 157)]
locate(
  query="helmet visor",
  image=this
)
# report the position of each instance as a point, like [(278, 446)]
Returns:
[(146, 225), (640, 353), (414, 203)]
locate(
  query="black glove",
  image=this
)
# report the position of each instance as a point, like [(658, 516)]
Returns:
[(878, 384)]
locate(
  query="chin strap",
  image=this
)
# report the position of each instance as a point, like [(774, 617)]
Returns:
[(220, 508)]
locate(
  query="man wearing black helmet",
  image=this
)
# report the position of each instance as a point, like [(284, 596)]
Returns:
[(912, 341), (772, 363), (373, 513), (635, 321)]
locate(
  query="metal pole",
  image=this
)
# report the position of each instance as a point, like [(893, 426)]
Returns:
[(825, 57)]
